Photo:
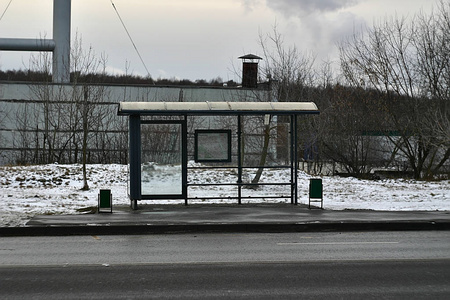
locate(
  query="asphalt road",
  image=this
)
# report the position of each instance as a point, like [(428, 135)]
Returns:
[(351, 265), (331, 280)]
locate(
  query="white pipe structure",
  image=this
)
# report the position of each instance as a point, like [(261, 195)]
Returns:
[(60, 44), (61, 36), (26, 44)]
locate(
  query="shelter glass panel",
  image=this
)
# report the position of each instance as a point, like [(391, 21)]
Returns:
[(162, 158), (213, 145)]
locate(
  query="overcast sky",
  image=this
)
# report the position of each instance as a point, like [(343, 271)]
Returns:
[(197, 39)]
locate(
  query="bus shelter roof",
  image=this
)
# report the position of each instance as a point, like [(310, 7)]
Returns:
[(216, 108)]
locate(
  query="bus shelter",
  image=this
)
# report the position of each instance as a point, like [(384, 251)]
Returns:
[(165, 136)]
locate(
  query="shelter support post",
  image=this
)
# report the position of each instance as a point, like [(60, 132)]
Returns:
[(295, 161), (239, 158), (292, 155), (184, 160), (135, 159)]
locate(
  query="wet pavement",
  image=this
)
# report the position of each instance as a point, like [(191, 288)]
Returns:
[(229, 218)]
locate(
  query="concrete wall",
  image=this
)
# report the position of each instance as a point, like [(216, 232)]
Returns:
[(36, 117)]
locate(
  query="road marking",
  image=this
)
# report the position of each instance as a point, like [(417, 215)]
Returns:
[(336, 243)]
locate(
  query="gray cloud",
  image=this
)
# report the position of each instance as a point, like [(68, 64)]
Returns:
[(301, 7), (249, 5), (313, 30), (321, 30)]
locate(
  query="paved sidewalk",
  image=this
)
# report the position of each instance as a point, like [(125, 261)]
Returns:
[(228, 218)]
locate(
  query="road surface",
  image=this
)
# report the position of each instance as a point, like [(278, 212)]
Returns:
[(351, 265)]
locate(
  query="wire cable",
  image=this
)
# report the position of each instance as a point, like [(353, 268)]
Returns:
[(129, 36), (5, 9)]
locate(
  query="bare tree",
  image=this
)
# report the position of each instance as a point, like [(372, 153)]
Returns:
[(290, 73), (432, 41), (51, 113), (87, 95), (67, 114), (408, 63), (292, 70), (349, 137)]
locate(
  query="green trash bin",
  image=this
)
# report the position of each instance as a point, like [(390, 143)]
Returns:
[(105, 201), (315, 191)]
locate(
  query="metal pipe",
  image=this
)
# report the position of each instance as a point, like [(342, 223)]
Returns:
[(26, 44), (61, 36)]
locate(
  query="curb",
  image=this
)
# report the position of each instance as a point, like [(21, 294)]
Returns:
[(222, 228)]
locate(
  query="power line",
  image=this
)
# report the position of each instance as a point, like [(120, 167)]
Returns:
[(5, 9), (131, 39)]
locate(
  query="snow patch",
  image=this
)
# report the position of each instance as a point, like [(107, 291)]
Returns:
[(27, 191)]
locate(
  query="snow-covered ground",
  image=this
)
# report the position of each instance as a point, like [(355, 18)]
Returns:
[(55, 189)]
